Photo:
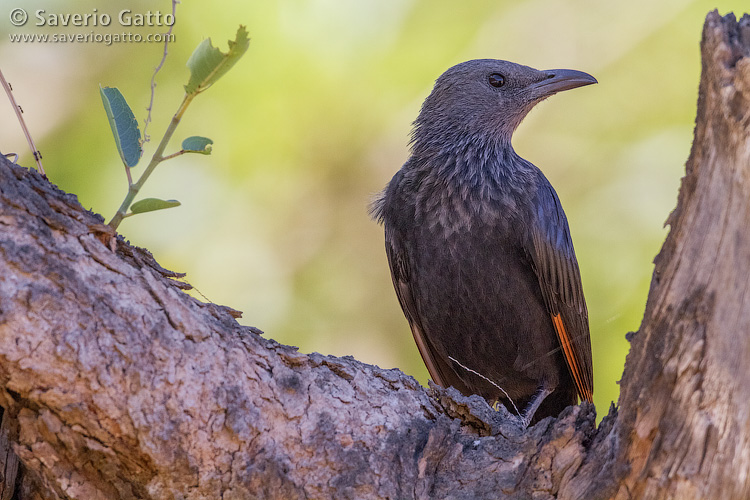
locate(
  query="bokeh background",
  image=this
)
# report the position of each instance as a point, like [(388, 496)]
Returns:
[(315, 119)]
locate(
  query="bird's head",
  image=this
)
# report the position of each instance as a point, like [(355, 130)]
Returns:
[(486, 99)]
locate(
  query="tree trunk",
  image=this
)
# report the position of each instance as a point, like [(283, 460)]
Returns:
[(116, 384)]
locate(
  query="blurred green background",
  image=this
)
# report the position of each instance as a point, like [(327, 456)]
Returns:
[(315, 119)]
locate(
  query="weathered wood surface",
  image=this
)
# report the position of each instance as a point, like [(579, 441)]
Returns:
[(120, 385)]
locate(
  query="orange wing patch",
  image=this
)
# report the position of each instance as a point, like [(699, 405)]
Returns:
[(584, 390)]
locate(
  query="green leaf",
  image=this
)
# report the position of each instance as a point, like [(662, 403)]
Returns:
[(123, 124), (197, 144), (151, 204), (207, 63)]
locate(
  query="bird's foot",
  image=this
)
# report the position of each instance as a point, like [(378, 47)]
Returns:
[(524, 419), (533, 406)]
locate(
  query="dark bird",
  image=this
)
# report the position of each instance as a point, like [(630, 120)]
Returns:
[(479, 247)]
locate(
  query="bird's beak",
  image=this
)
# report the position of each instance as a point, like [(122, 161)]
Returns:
[(561, 79)]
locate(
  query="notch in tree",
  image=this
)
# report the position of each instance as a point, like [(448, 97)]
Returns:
[(207, 64)]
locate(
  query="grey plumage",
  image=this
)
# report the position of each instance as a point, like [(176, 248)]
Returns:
[(479, 246)]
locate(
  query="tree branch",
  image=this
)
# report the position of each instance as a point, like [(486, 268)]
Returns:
[(686, 381)]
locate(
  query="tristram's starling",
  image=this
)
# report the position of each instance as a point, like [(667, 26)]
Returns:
[(479, 246)]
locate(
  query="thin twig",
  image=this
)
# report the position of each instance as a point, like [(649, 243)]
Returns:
[(19, 114), (488, 380), (167, 37), (174, 155)]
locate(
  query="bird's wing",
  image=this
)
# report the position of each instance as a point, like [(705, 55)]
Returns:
[(560, 280), (400, 272)]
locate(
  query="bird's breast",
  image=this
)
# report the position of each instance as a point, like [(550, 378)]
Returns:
[(461, 209)]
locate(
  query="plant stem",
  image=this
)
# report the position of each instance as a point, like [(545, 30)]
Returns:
[(167, 37), (17, 109), (155, 160), (174, 155)]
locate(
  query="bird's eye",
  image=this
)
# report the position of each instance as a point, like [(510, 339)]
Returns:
[(496, 80)]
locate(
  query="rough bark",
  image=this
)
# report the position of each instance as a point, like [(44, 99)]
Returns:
[(685, 411), (120, 385)]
